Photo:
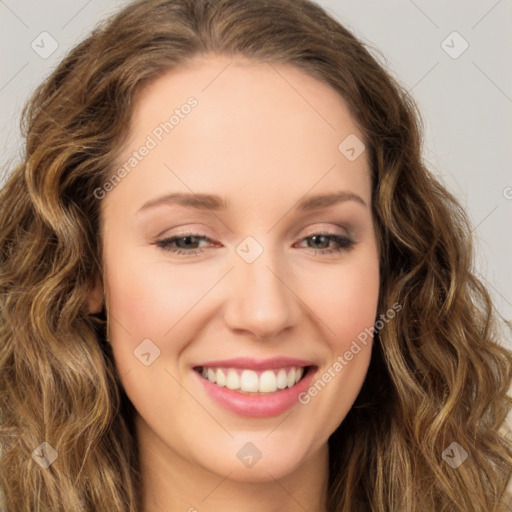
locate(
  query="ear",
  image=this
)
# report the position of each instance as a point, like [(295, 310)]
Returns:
[(95, 297)]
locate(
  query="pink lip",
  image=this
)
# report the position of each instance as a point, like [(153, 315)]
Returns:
[(257, 406), (254, 364)]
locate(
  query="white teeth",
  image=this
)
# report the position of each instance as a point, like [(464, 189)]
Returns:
[(211, 375), (249, 381), (268, 382), (221, 378), (232, 380), (282, 379), (291, 378)]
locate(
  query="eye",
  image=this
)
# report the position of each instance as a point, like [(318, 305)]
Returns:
[(184, 244), (344, 243), (187, 244)]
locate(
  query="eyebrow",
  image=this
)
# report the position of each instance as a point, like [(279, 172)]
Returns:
[(216, 203)]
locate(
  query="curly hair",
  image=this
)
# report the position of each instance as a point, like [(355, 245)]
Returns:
[(438, 372)]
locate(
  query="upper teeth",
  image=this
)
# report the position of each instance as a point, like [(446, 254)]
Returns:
[(249, 381)]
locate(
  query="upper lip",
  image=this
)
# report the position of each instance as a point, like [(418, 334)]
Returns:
[(256, 364)]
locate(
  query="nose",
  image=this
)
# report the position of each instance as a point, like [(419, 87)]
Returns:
[(262, 300)]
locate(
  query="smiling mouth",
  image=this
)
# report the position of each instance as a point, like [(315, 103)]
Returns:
[(251, 382)]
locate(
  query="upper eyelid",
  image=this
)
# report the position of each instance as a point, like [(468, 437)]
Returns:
[(202, 236), (305, 232), (349, 224)]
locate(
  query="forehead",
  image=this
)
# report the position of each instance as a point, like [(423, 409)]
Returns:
[(236, 88), (255, 126)]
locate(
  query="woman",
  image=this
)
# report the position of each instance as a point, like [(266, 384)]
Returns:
[(172, 336)]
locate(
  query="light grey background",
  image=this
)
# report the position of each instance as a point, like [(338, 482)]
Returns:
[(466, 101)]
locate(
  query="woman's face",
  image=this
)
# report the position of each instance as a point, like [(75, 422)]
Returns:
[(253, 289)]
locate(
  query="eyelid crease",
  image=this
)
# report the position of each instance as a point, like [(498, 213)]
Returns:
[(345, 242)]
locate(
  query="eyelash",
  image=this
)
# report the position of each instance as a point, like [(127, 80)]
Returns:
[(345, 243)]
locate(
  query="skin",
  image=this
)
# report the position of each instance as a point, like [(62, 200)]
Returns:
[(262, 137)]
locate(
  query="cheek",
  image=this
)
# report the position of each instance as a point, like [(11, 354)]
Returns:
[(347, 310), (357, 302), (148, 298), (345, 299)]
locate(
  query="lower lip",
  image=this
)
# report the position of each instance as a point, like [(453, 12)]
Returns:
[(257, 406)]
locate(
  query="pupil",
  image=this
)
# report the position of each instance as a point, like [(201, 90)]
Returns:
[(316, 237), (185, 241)]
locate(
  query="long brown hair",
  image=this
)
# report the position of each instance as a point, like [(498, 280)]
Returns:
[(438, 373)]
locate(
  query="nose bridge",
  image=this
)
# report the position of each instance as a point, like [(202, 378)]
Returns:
[(261, 300)]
